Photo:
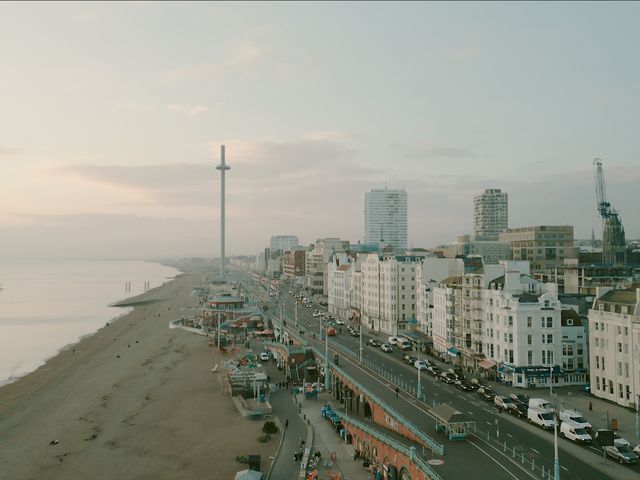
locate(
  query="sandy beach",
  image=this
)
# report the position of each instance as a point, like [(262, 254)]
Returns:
[(136, 400)]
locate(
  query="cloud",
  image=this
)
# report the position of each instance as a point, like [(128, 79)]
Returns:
[(443, 152), (246, 55), (8, 151), (136, 107), (190, 110)]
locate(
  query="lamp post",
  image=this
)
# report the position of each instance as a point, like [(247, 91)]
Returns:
[(296, 313), (326, 363), (360, 348), (556, 460), (419, 392)]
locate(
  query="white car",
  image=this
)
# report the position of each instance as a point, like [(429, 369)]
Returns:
[(264, 356), (619, 441), (340, 322), (502, 402), (420, 364), (385, 347)]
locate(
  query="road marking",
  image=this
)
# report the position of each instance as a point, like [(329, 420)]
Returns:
[(498, 463), (509, 435), (564, 468), (470, 413), (536, 451), (488, 423), (488, 411)]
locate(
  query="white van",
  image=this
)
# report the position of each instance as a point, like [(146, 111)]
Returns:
[(404, 344), (541, 417), (539, 404), (575, 417), (574, 432), (393, 341)]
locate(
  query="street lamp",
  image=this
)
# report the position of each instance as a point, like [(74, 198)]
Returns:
[(418, 393), (556, 460)]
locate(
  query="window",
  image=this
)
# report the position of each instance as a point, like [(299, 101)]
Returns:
[(549, 322), (530, 357), (550, 338), (511, 338), (619, 369), (597, 362), (505, 337), (510, 356), (626, 369), (529, 322), (620, 391), (528, 339), (544, 357), (544, 337), (597, 383), (619, 347), (510, 320), (603, 363)]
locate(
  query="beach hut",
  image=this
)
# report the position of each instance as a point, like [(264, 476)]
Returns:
[(248, 475)]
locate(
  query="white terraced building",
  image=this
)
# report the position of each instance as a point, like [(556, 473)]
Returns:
[(389, 292), (339, 280), (614, 346)]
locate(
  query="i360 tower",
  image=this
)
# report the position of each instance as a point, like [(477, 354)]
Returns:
[(223, 168)]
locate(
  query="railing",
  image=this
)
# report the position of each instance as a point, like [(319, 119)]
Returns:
[(393, 443), (435, 446)]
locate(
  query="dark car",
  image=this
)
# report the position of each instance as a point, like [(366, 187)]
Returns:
[(374, 343), (448, 377), (519, 397), (434, 370), (486, 393), (464, 385), (518, 409), (409, 359)]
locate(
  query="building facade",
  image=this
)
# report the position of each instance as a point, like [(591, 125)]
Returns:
[(316, 264), (293, 265), (385, 218), (545, 246), (283, 242), (614, 346), (389, 292), (339, 286), (491, 251), (490, 214)]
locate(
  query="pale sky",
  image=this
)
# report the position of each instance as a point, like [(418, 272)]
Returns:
[(113, 113)]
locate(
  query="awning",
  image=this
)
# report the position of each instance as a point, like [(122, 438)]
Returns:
[(453, 352), (487, 363)]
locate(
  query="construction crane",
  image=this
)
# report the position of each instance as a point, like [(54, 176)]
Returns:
[(604, 207), (613, 238)]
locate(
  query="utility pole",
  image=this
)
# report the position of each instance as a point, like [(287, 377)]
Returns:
[(360, 351), (419, 392), (326, 363), (556, 460), (295, 312)]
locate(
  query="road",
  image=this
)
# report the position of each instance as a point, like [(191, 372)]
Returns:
[(483, 451)]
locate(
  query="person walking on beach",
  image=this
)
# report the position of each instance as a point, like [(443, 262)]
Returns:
[(397, 392)]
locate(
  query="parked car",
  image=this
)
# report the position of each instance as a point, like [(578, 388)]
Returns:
[(486, 393), (264, 356), (463, 385), (519, 397), (385, 347), (574, 432), (502, 402), (620, 441), (374, 343), (409, 359), (355, 333), (434, 370), (448, 377), (575, 417), (420, 364), (519, 409), (622, 453), (340, 322)]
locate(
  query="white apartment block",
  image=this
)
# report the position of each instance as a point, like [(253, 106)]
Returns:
[(490, 214), (491, 251), (283, 242), (575, 347), (614, 346), (501, 316), (388, 292), (385, 218), (339, 285)]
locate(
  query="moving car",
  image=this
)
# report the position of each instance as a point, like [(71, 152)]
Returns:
[(434, 370), (622, 454), (264, 356), (374, 343), (340, 322), (385, 347), (502, 402)]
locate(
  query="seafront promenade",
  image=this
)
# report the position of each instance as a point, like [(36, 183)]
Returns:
[(134, 400)]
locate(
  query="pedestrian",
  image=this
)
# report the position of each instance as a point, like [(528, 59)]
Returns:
[(590, 406), (397, 392), (286, 424)]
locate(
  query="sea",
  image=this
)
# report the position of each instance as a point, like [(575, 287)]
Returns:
[(47, 305)]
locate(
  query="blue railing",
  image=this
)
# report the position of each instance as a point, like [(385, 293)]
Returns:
[(393, 443), (435, 446)]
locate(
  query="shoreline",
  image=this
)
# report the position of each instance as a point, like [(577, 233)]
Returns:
[(124, 305), (136, 400)]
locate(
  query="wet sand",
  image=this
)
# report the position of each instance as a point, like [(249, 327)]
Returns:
[(136, 400)]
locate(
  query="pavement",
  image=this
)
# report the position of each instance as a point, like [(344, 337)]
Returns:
[(327, 441)]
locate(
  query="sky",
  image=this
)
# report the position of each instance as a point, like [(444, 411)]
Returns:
[(113, 115)]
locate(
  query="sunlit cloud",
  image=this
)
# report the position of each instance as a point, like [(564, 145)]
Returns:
[(190, 110)]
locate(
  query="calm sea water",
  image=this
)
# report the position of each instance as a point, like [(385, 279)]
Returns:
[(47, 305)]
